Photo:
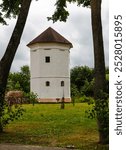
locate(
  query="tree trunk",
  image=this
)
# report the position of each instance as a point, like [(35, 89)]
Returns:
[(99, 63), (7, 59)]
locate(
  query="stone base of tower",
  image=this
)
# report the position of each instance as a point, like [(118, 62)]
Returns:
[(53, 100)]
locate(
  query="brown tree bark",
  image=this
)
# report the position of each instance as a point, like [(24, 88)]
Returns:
[(7, 59), (100, 78)]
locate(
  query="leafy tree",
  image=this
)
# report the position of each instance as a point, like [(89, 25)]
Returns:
[(20, 80), (100, 80), (81, 81), (80, 74), (25, 83), (14, 81), (88, 88), (100, 75), (11, 8), (74, 91)]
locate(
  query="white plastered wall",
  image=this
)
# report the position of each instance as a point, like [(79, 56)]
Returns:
[(56, 71)]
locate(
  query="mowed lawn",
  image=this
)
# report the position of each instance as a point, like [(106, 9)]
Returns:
[(48, 125)]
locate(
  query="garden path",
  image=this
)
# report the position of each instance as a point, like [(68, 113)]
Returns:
[(28, 147)]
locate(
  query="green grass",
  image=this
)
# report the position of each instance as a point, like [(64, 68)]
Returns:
[(48, 125)]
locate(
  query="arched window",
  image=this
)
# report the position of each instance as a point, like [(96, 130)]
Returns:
[(47, 83), (62, 83), (47, 59)]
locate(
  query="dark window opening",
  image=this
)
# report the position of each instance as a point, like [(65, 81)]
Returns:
[(47, 59), (62, 83), (47, 83)]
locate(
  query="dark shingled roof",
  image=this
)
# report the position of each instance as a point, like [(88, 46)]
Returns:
[(50, 36)]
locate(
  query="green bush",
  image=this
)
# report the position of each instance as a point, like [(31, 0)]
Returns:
[(83, 99), (100, 111), (10, 113), (31, 98)]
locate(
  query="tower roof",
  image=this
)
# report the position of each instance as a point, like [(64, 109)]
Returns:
[(50, 36)]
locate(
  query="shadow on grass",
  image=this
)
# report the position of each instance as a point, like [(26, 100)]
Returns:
[(44, 140), (10, 137)]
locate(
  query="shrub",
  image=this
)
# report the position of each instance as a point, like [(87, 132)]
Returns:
[(83, 99), (100, 111), (10, 113), (31, 98)]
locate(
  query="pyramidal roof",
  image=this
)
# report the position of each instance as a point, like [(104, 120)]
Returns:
[(50, 36)]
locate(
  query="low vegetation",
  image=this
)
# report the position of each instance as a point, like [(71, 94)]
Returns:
[(48, 125)]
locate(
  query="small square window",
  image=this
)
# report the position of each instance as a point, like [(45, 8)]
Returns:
[(47, 83), (47, 59)]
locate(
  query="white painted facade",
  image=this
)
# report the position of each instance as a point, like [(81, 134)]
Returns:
[(54, 72)]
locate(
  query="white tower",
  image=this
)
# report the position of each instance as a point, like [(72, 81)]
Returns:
[(50, 66)]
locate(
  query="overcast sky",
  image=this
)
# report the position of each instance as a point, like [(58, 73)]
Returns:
[(77, 30)]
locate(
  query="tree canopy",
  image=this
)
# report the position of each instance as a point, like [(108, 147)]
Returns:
[(8, 9), (61, 12), (11, 8), (20, 80)]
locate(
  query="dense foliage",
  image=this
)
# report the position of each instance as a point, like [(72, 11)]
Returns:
[(20, 80), (10, 113), (8, 9), (82, 81), (101, 110), (61, 12)]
